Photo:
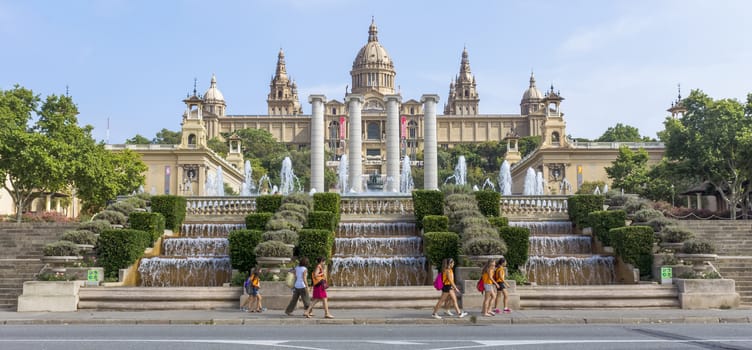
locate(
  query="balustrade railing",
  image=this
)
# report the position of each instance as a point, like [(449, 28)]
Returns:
[(534, 205), (220, 205), (376, 205)]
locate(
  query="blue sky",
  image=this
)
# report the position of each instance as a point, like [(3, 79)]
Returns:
[(614, 61)]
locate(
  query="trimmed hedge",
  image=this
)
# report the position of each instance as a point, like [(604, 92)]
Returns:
[(257, 221), (488, 202), (579, 206), (327, 201), (61, 248), (603, 221), (427, 202), (268, 203), (153, 223), (277, 249), (80, 237), (499, 222), (322, 220), (435, 223), (518, 245), (96, 226), (634, 244), (441, 245), (484, 246), (242, 244), (315, 243), (118, 249), (172, 208)]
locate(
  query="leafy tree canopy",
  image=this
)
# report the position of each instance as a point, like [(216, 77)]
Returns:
[(629, 170), (167, 137), (137, 140), (622, 133)]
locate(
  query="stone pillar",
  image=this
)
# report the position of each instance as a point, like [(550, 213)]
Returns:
[(317, 142), (355, 143), (392, 142), (430, 146)]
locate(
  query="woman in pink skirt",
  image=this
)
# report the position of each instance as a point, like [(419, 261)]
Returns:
[(318, 276)]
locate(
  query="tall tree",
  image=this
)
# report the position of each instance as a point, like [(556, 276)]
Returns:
[(137, 140), (622, 133), (713, 140), (167, 137), (629, 170)]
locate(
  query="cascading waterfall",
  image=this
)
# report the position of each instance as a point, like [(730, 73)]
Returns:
[(208, 230), (547, 245), (539, 228), (505, 179), (378, 254), (195, 247)]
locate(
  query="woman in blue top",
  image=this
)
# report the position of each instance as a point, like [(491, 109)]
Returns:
[(300, 290)]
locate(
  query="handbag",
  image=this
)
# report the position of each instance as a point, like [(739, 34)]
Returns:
[(290, 279), (480, 286), (323, 284)]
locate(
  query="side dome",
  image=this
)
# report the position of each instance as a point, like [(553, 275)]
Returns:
[(532, 92), (213, 94)]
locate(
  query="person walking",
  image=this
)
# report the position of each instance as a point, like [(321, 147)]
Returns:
[(300, 289), (254, 294), (320, 284), (489, 287), (448, 292), (500, 277)]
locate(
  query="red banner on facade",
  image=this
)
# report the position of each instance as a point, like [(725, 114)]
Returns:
[(403, 124), (342, 127)]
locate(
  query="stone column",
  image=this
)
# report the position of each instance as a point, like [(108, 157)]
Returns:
[(317, 142), (355, 143), (392, 142), (430, 161)]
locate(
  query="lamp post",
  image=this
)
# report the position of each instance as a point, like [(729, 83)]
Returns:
[(672, 195)]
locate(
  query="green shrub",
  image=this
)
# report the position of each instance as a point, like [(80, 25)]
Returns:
[(172, 208), (603, 221), (488, 202), (96, 226), (123, 207), (284, 236), (435, 223), (273, 249), (291, 215), (618, 200), (113, 217), (456, 189), (268, 203), (80, 237), (61, 248), (635, 204), (634, 244), (315, 243), (478, 231), (118, 249), (659, 223), (299, 198), (283, 224), (298, 208), (257, 221), (136, 202), (153, 223), (474, 221), (698, 246), (579, 206), (674, 234), (441, 245), (322, 220), (518, 245), (644, 215), (499, 221), (484, 246), (427, 202), (518, 277), (242, 243), (327, 201)]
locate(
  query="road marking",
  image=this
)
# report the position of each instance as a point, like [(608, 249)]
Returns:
[(394, 342)]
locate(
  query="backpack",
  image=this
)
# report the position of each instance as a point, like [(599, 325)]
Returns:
[(247, 286), (480, 286), (438, 283)]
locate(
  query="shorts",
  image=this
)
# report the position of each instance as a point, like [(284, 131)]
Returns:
[(488, 286), (446, 288), (254, 292), (501, 286)]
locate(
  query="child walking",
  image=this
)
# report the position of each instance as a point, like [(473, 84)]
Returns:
[(489, 287), (254, 295), (448, 292), (499, 276)]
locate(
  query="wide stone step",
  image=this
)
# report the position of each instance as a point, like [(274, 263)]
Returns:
[(599, 304)]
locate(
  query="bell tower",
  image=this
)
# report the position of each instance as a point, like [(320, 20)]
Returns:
[(283, 92), (463, 95), (192, 127)]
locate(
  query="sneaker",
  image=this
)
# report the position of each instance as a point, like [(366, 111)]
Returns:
[(497, 311), (436, 316), (448, 313), (507, 311), (263, 309), (463, 314)]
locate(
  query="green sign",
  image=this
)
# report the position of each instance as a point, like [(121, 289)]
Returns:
[(666, 272), (92, 276)]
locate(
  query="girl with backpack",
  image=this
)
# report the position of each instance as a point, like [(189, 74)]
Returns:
[(448, 290), (499, 276), (489, 287)]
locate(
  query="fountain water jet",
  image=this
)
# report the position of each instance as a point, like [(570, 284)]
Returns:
[(530, 183), (342, 174), (288, 178), (505, 179), (406, 178)]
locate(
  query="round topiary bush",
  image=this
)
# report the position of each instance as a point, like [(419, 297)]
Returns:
[(660, 222), (96, 226), (273, 249), (284, 236), (472, 232), (298, 208), (472, 221), (617, 200), (698, 246), (113, 217), (484, 246), (674, 234), (645, 215), (61, 248), (124, 207), (276, 224), (80, 237), (290, 215), (299, 198)]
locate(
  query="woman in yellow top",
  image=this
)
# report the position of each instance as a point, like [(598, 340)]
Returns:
[(489, 287), (255, 296), (318, 277), (449, 291), (500, 276)]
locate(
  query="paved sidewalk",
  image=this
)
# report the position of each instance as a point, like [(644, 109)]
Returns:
[(378, 316)]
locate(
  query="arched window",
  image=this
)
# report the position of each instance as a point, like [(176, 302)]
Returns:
[(467, 93), (412, 130), (373, 131), (412, 110), (192, 139), (279, 94), (555, 139), (334, 111)]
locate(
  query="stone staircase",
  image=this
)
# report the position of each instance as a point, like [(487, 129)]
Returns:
[(20, 253), (733, 242), (599, 296)]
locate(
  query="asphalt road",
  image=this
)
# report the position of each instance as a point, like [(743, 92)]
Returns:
[(417, 337)]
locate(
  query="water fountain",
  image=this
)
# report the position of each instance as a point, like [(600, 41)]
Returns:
[(288, 178), (597, 190), (565, 187), (210, 185), (540, 184), (460, 172), (529, 188), (505, 179), (219, 184), (406, 177), (265, 180), (605, 188), (248, 186), (488, 185)]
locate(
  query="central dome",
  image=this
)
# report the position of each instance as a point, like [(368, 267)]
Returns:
[(373, 69)]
